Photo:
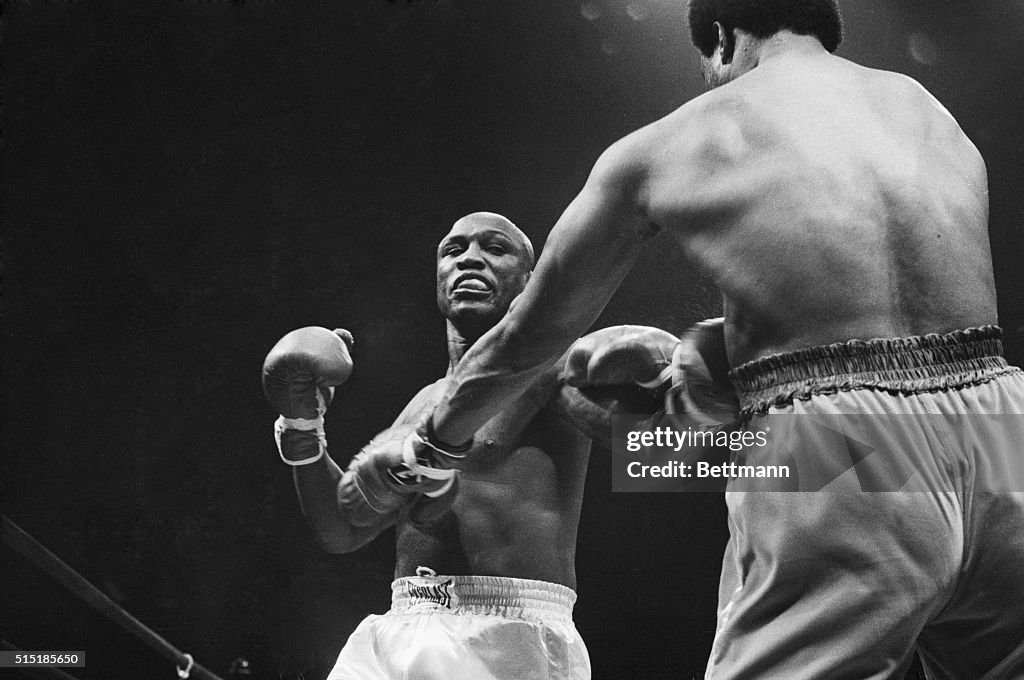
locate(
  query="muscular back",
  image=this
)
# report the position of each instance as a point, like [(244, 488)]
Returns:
[(828, 201)]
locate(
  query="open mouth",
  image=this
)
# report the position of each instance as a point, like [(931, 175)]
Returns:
[(471, 285)]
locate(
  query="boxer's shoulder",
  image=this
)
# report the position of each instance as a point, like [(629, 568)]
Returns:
[(423, 402), (711, 126), (507, 425)]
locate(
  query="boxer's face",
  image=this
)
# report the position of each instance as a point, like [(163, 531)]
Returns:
[(482, 265)]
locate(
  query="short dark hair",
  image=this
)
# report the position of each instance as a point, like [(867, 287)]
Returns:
[(764, 18)]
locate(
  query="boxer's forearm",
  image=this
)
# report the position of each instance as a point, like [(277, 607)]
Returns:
[(589, 251), (499, 368), (315, 485), (562, 300), (333, 527)]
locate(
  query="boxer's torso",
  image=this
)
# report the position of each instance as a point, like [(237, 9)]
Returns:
[(828, 201), (518, 503)]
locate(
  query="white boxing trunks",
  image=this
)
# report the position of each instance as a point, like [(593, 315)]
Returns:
[(468, 628)]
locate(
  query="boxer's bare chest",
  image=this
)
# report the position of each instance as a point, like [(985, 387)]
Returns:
[(512, 501)]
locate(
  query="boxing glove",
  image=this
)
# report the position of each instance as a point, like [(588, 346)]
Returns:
[(700, 386), (299, 377), (378, 482), (620, 355)]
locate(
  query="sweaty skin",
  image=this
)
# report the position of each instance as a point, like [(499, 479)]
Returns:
[(517, 505), (829, 201)]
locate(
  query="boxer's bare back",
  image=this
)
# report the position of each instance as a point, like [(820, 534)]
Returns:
[(828, 201)]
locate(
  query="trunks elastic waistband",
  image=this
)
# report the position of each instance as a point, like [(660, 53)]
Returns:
[(911, 365), (497, 595)]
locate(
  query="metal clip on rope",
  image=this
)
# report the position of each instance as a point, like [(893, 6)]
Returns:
[(183, 673)]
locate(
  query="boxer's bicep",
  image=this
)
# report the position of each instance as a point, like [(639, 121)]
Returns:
[(587, 255)]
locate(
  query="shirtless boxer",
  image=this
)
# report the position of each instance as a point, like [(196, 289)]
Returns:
[(485, 562), (843, 214)]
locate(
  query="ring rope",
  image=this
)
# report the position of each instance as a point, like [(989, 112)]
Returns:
[(22, 543)]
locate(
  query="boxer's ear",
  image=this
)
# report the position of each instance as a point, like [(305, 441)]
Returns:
[(726, 42)]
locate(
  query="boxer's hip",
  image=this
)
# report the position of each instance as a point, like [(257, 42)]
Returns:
[(913, 530), (496, 595), (898, 366), (469, 627)]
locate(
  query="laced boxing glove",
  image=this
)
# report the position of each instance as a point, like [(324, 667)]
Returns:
[(378, 483), (299, 377), (425, 459)]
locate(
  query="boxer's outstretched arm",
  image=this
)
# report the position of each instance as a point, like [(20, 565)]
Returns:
[(588, 253)]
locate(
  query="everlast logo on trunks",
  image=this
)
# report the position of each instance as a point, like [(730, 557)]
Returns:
[(432, 592)]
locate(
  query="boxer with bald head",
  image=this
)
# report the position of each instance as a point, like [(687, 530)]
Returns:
[(485, 571), (468, 298), (843, 214)]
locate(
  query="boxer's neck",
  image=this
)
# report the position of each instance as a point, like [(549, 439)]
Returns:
[(459, 342), (752, 52)]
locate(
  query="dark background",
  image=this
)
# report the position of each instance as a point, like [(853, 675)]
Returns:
[(184, 182)]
